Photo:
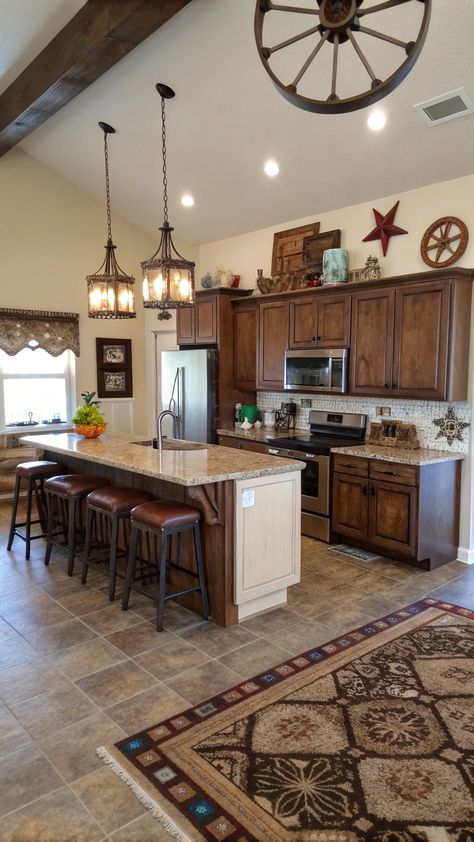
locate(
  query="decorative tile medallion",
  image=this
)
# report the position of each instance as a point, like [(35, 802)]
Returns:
[(450, 426)]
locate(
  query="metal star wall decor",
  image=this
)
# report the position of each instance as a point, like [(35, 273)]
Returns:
[(385, 228), (450, 427)]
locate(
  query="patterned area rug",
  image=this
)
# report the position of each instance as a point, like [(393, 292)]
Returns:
[(368, 737), (354, 552)]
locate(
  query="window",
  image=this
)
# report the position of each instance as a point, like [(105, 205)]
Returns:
[(36, 386)]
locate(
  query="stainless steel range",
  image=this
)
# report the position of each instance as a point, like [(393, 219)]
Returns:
[(327, 430)]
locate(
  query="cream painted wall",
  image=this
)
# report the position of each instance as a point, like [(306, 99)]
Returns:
[(417, 210), (51, 236)]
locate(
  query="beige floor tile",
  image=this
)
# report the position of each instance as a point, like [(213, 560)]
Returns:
[(83, 602), (137, 639), (177, 618), (59, 637), (301, 637), (114, 684), (59, 817), (49, 712), (171, 659), (379, 607), (308, 604), (457, 595), (60, 587), (145, 829), (254, 658), (23, 600), (72, 751), (15, 650), (6, 629), (110, 619), (24, 776), (26, 681), (215, 640), (342, 621), (12, 583), (110, 801), (197, 685), (12, 735), (147, 708), (272, 621), (38, 617), (86, 658)]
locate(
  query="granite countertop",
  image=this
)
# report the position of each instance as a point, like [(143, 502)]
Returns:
[(421, 456), (197, 464), (259, 433), (33, 429)]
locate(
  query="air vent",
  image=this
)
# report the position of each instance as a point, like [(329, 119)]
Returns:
[(446, 107)]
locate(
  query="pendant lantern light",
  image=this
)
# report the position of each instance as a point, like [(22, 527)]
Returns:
[(110, 291), (168, 278)]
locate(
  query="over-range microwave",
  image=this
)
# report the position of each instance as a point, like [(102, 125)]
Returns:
[(316, 371)]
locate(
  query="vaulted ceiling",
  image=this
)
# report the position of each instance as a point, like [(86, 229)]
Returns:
[(227, 119)]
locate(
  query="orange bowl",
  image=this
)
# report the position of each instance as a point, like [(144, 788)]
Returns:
[(89, 431)]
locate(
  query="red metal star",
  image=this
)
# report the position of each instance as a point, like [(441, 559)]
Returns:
[(384, 228)]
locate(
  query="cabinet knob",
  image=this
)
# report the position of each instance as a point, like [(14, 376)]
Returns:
[(364, 489), (313, 339), (319, 338), (394, 385), (372, 492), (386, 385)]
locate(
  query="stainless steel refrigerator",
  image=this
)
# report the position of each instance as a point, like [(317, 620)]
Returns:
[(188, 388)]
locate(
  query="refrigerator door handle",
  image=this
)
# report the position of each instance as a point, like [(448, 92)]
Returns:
[(180, 404)]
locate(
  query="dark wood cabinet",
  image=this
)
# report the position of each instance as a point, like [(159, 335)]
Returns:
[(273, 342), (198, 325), (240, 444), (245, 345), (322, 322), (402, 511), (371, 355)]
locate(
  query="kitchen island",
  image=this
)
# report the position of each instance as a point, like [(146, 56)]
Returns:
[(250, 506)]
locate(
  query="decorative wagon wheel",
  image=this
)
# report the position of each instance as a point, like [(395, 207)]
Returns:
[(446, 237), (336, 22)]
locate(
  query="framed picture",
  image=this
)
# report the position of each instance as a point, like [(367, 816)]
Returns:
[(313, 248), (114, 368), (288, 248)]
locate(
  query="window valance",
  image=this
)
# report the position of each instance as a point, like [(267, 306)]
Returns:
[(54, 332)]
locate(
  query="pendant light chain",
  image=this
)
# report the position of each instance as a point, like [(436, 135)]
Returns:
[(163, 150), (107, 188)]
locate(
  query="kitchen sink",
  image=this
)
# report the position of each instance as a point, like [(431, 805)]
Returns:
[(172, 444)]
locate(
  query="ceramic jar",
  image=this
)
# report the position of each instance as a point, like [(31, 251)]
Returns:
[(335, 266)]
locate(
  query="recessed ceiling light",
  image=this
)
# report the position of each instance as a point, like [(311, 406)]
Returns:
[(271, 168), (376, 121), (187, 200)]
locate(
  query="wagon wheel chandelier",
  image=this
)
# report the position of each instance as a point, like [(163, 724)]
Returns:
[(335, 24)]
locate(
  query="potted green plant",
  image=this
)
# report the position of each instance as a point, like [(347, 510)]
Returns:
[(88, 421)]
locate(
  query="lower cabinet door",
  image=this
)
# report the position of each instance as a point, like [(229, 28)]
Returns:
[(350, 506), (393, 517)]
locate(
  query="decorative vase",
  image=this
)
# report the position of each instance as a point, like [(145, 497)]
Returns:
[(89, 431), (335, 266)]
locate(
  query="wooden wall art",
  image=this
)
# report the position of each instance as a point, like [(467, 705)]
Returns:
[(288, 248), (384, 228), (313, 248), (114, 368), (444, 242)]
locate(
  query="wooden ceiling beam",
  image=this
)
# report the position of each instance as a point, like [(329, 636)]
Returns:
[(99, 35)]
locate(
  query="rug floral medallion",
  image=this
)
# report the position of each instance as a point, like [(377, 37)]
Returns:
[(368, 737)]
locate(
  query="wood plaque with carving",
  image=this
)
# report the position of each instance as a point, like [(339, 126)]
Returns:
[(288, 248)]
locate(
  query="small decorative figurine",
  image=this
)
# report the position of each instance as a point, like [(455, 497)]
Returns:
[(206, 280), (371, 270)]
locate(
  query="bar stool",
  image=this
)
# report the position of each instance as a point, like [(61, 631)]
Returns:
[(64, 495), (35, 474), (163, 519), (107, 508)]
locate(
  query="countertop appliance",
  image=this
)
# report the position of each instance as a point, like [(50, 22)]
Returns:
[(188, 387), (327, 430), (316, 370)]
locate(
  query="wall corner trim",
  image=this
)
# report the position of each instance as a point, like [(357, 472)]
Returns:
[(465, 555)]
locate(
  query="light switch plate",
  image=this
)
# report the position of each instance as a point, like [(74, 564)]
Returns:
[(248, 498)]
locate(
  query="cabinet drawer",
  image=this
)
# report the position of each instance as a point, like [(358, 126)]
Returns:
[(354, 465), (394, 472), (243, 444)]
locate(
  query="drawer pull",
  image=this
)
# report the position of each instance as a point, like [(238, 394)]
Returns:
[(388, 473)]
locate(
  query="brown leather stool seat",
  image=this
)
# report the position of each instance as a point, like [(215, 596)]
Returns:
[(165, 515), (109, 507), (64, 495), (34, 473), (161, 520)]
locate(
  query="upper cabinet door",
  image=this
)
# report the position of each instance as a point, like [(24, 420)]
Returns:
[(206, 320), (372, 342), (421, 341), (245, 346), (303, 321), (273, 340), (185, 326), (334, 321)]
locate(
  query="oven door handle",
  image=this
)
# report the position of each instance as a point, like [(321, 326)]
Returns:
[(314, 457)]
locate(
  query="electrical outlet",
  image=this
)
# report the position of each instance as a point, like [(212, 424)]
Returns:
[(305, 403), (384, 410), (248, 498)]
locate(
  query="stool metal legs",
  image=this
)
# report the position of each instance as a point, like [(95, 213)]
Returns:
[(67, 516), (32, 488), (95, 522)]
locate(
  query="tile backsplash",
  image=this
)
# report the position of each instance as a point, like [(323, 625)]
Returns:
[(420, 413)]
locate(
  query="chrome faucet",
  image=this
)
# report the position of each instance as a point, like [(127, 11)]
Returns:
[(159, 422)]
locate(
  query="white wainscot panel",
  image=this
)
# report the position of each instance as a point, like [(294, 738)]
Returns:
[(267, 540), (118, 414)]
